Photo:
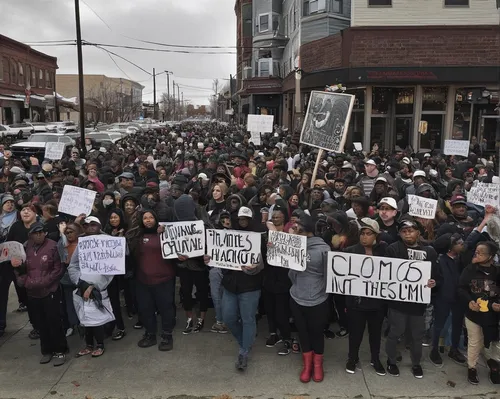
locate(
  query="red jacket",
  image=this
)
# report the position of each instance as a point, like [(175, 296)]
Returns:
[(41, 273)]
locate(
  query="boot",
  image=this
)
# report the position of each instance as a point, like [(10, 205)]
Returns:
[(318, 368), (307, 358)]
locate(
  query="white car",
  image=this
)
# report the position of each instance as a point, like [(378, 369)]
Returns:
[(23, 129), (62, 127), (35, 145), (6, 131)]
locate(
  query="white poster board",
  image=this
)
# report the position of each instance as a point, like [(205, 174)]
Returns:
[(287, 250), (255, 138), (260, 123), (54, 151), (456, 147), (376, 277), (102, 254), (11, 249), (231, 249), (76, 201), (421, 207), (483, 194), (183, 238), (327, 120)]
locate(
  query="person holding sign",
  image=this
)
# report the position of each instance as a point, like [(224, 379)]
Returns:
[(361, 310), (40, 274)]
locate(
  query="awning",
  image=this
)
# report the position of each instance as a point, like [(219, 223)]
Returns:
[(7, 98)]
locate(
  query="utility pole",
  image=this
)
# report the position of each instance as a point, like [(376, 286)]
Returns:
[(154, 94), (173, 87), (168, 94), (179, 99), (182, 104), (80, 76), (231, 96)]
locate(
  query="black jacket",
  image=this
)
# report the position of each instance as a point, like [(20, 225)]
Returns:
[(448, 277)]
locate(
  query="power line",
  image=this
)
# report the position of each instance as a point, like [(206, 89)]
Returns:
[(157, 49), (123, 58), (112, 59)]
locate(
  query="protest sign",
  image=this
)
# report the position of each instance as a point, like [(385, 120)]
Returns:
[(287, 250), (11, 249), (183, 238), (230, 249), (422, 207), (102, 254), (260, 123), (327, 120), (54, 151), (376, 277), (456, 147), (483, 194), (255, 138), (76, 201)]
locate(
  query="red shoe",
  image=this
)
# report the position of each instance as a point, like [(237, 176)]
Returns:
[(318, 368), (307, 358)]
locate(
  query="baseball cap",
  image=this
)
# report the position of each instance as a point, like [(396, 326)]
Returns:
[(7, 197), (407, 222), (388, 201), (91, 219), (370, 162), (420, 173), (427, 155), (126, 175), (245, 212), (203, 176), (347, 165), (367, 223), (37, 227), (380, 179), (458, 199)]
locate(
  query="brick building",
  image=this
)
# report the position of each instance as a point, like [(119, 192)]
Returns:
[(409, 61), (26, 77)]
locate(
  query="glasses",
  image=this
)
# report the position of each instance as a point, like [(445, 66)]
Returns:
[(478, 253)]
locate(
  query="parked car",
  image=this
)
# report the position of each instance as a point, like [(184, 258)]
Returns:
[(39, 127), (35, 145), (62, 127), (23, 129), (7, 131)]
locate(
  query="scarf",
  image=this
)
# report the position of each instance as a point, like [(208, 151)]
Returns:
[(7, 219)]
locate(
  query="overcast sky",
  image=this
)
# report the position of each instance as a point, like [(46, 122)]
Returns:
[(179, 22)]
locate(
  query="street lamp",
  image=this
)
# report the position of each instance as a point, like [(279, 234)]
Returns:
[(154, 88)]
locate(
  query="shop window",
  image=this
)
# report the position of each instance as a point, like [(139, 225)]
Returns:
[(434, 99), (20, 76), (380, 100), (378, 129), (456, 3), (404, 100), (432, 139), (359, 99)]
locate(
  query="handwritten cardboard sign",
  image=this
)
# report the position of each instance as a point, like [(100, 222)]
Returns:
[(287, 250), (102, 254), (483, 194), (76, 201), (456, 147), (11, 249), (54, 150), (183, 238), (260, 123), (376, 277), (231, 249), (255, 138), (422, 207)]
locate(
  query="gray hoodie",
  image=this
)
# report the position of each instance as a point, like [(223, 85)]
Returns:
[(309, 286)]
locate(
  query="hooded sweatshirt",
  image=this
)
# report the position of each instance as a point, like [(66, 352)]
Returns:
[(309, 287)]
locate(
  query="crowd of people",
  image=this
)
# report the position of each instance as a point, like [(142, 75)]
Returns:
[(356, 202)]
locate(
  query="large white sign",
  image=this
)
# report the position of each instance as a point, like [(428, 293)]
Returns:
[(421, 207), (231, 249), (483, 194), (76, 201), (376, 277), (183, 238), (456, 147), (287, 250), (54, 151), (260, 123), (255, 138), (102, 254)]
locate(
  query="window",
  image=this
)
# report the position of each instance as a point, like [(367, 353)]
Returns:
[(33, 76), (337, 6), (386, 3), (263, 22), (455, 3), (294, 17), (434, 99), (285, 29), (47, 79), (20, 77), (314, 6), (265, 67), (28, 76), (1, 69), (40, 78)]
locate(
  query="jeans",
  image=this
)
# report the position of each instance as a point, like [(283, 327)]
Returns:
[(215, 276), (441, 312), (238, 312), (114, 298), (198, 279), (358, 319), (398, 323), (69, 307), (310, 322), (153, 297)]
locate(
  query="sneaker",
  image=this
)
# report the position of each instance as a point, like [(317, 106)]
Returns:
[(189, 327), (426, 342), (34, 334), (329, 334), (393, 370), (435, 358), (166, 343), (22, 308), (120, 334), (342, 333), (219, 327), (69, 332), (59, 359), (456, 356), (138, 325), (147, 341), (286, 348), (417, 371), (295, 345), (472, 376), (350, 366), (273, 340), (46, 359), (241, 363), (399, 358), (378, 367), (199, 325)]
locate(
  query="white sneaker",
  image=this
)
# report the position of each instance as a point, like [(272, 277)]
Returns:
[(69, 332)]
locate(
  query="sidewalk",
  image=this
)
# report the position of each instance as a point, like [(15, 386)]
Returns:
[(202, 366)]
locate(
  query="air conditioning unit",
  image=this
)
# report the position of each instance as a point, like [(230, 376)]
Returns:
[(247, 73)]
